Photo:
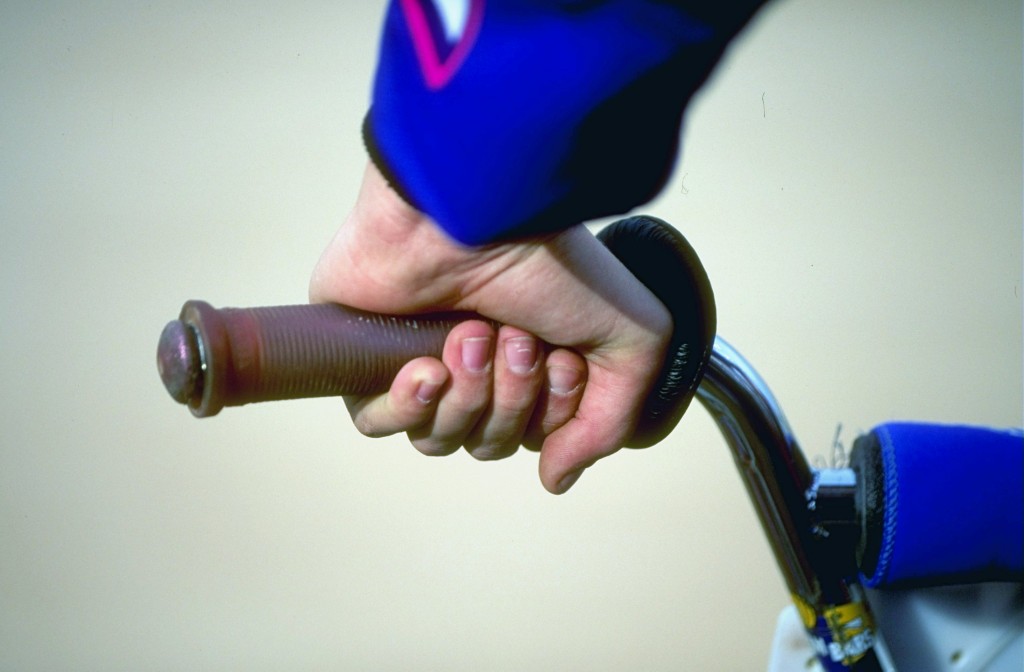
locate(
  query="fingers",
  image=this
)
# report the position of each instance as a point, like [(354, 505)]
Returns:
[(601, 425), (559, 398), (468, 353), (436, 402), (595, 432), (409, 403), (494, 391), (491, 392), (518, 375)]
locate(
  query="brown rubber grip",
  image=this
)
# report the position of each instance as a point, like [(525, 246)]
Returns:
[(211, 358)]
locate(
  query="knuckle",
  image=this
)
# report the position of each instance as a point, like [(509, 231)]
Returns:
[(470, 405), (515, 406), (431, 442), (554, 413), (549, 425), (493, 450), (367, 427), (434, 448)]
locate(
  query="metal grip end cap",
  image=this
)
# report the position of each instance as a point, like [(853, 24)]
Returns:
[(190, 358), (179, 362)]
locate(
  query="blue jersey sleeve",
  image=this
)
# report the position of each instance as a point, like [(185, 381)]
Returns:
[(510, 118)]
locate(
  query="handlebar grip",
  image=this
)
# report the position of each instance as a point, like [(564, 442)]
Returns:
[(211, 358), (940, 504)]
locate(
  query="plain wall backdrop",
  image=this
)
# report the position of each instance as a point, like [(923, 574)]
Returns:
[(851, 176)]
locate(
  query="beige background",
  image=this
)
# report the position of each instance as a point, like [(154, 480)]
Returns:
[(852, 178)]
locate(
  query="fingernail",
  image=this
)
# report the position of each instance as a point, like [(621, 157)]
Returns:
[(569, 480), (476, 354), (521, 354), (427, 391), (563, 380)]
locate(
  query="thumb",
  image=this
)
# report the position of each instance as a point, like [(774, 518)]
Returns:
[(602, 424)]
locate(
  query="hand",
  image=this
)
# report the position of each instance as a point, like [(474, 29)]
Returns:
[(582, 398)]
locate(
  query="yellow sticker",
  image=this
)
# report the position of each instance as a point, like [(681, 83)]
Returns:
[(840, 633), (807, 613)]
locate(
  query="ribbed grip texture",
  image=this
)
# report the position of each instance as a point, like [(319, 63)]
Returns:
[(328, 350), (272, 353)]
